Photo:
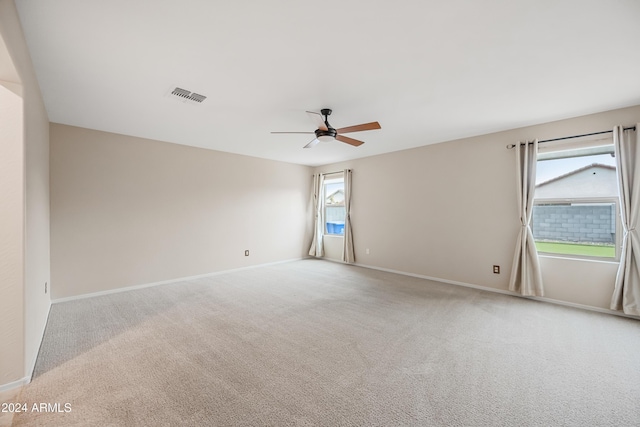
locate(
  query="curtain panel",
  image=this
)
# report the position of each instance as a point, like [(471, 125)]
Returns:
[(626, 293), (317, 246), (526, 276), (348, 254)]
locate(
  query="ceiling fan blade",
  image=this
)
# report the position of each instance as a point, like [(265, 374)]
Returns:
[(348, 140), (312, 143), (360, 128), (295, 132), (317, 119)]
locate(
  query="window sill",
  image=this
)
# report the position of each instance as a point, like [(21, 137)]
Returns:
[(576, 258), (334, 236)]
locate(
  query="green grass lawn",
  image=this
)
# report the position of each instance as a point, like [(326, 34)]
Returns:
[(576, 249)]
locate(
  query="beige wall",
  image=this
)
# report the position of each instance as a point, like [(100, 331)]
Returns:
[(37, 245), (33, 247), (11, 237), (127, 211), (449, 211)]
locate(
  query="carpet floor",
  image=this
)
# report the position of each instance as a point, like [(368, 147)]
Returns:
[(313, 342)]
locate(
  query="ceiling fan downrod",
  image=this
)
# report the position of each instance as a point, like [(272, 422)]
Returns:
[(326, 112)]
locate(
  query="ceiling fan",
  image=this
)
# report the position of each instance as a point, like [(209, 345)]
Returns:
[(327, 133)]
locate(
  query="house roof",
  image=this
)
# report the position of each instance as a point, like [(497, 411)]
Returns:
[(573, 172), (338, 191)]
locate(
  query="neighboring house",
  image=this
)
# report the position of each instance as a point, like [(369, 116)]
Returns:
[(335, 198), (577, 207), (592, 181)]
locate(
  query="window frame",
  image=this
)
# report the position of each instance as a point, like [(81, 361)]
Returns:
[(588, 147)]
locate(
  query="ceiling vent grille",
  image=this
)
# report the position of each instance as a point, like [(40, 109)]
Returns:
[(187, 96)]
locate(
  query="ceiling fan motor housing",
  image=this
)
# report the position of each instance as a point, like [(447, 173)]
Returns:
[(326, 135)]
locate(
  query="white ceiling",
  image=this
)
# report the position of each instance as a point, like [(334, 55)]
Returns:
[(428, 71)]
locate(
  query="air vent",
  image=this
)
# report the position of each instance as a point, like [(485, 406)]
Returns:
[(187, 96)]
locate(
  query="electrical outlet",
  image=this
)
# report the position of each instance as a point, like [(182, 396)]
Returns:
[(496, 269), (367, 251), (246, 253), (45, 287)]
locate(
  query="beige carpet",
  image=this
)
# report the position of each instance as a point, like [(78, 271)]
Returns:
[(318, 343)]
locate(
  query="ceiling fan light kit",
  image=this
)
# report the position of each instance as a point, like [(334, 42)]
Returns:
[(326, 132)]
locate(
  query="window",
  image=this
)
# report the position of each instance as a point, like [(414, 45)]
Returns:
[(576, 207), (334, 206)]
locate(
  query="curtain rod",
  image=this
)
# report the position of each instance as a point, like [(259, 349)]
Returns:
[(573, 136), (331, 173)]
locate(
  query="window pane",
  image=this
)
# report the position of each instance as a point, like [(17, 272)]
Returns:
[(547, 170), (334, 207), (586, 229)]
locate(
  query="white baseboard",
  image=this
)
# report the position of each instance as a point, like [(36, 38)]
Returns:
[(31, 366), (581, 306), (499, 291), (166, 282), (19, 383), (439, 279)]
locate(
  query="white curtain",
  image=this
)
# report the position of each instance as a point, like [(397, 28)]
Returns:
[(526, 276), (317, 246), (626, 294), (348, 254)]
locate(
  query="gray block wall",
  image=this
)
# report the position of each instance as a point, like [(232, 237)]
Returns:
[(578, 224)]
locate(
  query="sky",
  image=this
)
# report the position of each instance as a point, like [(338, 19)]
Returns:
[(330, 188)]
